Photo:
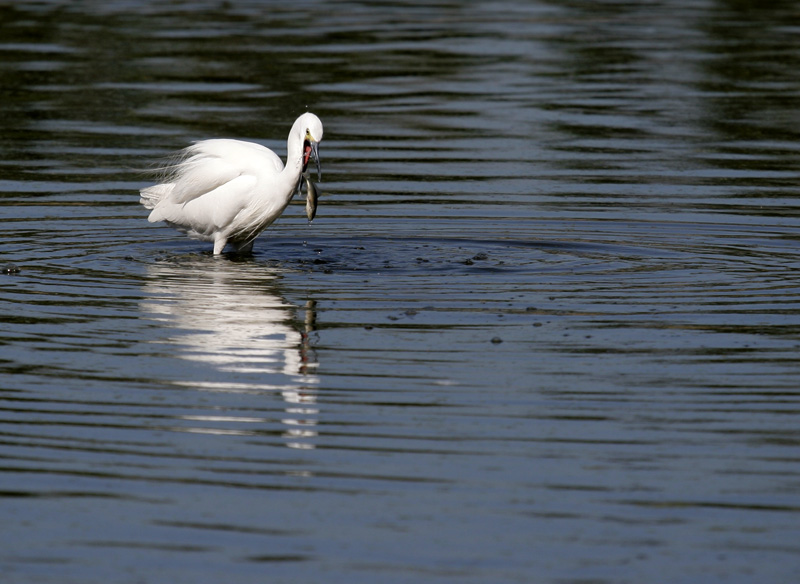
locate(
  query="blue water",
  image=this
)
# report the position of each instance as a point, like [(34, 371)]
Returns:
[(544, 328)]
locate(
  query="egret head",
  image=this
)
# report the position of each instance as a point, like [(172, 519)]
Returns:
[(311, 129)]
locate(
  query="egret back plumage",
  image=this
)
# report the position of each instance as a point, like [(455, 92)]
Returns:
[(229, 191)]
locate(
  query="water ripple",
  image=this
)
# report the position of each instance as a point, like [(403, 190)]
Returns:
[(544, 326)]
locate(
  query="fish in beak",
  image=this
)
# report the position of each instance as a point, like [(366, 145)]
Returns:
[(312, 197)]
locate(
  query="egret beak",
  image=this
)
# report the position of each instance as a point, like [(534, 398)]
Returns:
[(315, 153)]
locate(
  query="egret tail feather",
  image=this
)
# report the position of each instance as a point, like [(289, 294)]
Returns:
[(151, 196)]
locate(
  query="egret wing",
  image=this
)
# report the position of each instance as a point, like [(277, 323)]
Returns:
[(213, 211), (200, 175), (211, 164)]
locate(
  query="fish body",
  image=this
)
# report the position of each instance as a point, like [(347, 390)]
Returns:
[(312, 197)]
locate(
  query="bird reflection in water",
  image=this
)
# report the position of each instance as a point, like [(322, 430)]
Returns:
[(229, 317), (302, 416)]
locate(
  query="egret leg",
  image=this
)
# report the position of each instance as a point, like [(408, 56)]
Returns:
[(219, 245), (245, 247)]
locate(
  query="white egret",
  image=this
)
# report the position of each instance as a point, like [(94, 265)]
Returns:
[(229, 191)]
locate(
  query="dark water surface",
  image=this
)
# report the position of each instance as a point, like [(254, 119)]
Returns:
[(545, 327)]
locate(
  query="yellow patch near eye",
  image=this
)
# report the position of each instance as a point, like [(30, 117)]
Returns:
[(309, 137)]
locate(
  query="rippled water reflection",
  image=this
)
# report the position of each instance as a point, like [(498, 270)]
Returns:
[(545, 326), (240, 337)]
